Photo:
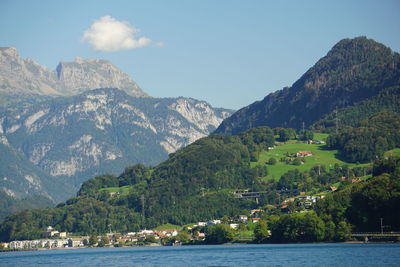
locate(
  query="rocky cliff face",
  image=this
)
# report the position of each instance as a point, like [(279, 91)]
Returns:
[(19, 75), (76, 77), (103, 131)]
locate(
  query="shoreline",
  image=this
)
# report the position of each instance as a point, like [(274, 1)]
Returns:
[(230, 244)]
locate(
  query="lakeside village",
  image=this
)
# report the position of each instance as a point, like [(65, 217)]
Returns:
[(176, 235), (172, 235)]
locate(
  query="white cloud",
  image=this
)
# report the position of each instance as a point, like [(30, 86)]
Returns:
[(160, 44), (108, 35)]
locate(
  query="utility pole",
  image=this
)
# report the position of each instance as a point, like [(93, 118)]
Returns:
[(143, 206), (336, 121), (381, 225)]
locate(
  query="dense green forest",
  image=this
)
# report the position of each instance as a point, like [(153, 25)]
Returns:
[(82, 216), (387, 100), (10, 205), (369, 139)]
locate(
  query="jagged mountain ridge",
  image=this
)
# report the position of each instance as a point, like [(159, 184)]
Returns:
[(19, 75), (103, 131), (58, 129), (352, 71)]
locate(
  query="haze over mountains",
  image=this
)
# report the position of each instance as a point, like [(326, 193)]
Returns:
[(58, 129)]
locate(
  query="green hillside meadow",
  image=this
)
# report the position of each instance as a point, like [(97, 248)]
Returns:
[(320, 156), (123, 190)]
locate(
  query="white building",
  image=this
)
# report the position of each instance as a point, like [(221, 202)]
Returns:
[(234, 225), (213, 222)]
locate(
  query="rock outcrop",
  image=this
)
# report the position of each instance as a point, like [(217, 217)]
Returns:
[(19, 75)]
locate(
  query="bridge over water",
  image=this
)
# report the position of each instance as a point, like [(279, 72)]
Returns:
[(369, 235), (376, 234)]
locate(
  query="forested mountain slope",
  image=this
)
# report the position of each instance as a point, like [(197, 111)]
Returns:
[(353, 70), (387, 100)]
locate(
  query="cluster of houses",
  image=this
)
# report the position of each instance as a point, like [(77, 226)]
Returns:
[(234, 223), (54, 233), (141, 235), (56, 239), (308, 202), (43, 243)]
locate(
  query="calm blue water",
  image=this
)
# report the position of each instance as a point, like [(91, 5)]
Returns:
[(338, 255)]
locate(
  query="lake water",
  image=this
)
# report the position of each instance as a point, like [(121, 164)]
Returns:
[(338, 255)]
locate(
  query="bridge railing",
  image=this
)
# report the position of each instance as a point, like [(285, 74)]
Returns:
[(376, 234)]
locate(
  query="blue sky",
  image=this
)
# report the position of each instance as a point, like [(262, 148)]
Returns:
[(229, 53)]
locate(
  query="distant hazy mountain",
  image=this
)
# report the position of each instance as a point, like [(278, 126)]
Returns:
[(19, 75), (102, 131), (353, 71), (20, 178), (58, 129)]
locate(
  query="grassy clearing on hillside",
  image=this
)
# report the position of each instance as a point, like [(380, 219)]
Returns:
[(393, 153), (320, 136), (321, 156), (123, 190), (167, 226)]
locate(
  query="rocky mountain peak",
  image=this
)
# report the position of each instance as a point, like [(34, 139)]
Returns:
[(362, 43), (79, 60), (19, 75), (9, 52), (80, 75)]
